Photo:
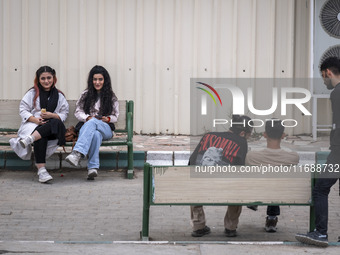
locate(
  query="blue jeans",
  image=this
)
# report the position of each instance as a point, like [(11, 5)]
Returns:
[(91, 135)]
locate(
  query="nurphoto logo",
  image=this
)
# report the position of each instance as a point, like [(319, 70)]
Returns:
[(242, 97)]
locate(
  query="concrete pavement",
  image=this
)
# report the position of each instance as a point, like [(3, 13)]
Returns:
[(75, 216), (28, 248)]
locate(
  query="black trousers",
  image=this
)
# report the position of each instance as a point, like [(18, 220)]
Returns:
[(322, 188), (273, 210), (40, 145)]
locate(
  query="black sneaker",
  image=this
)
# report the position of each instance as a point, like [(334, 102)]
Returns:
[(230, 233), (271, 222), (201, 232), (314, 238)]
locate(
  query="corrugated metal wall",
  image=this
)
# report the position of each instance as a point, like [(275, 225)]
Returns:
[(152, 48)]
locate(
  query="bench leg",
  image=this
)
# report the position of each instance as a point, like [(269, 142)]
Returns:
[(311, 208), (130, 161), (311, 218), (145, 227), (146, 203)]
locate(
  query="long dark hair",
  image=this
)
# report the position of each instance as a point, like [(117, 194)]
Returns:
[(107, 96), (37, 85)]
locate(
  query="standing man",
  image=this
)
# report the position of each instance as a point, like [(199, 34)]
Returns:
[(330, 70), (221, 148), (275, 156)]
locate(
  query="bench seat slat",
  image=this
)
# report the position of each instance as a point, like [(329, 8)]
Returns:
[(111, 142), (176, 186)]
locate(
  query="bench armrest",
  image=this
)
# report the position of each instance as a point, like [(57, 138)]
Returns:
[(129, 121), (129, 126)]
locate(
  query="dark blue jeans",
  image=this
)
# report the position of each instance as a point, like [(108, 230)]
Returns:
[(321, 190)]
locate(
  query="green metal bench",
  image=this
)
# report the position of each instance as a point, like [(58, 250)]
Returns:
[(10, 122), (175, 185)]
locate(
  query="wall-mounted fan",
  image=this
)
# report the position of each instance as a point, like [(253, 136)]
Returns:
[(333, 51), (330, 17)]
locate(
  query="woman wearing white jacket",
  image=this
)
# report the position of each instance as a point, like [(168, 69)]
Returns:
[(43, 109)]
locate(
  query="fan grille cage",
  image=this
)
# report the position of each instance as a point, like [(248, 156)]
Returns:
[(329, 18)]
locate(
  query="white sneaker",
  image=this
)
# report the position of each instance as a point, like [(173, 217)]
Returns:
[(74, 158), (26, 141), (44, 176), (91, 173)]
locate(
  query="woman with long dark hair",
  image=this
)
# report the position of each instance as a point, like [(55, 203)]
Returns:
[(97, 110), (43, 110)]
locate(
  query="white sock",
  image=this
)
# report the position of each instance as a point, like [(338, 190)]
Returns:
[(31, 137)]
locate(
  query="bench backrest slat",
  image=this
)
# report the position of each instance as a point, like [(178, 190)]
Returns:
[(174, 185), (10, 119)]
